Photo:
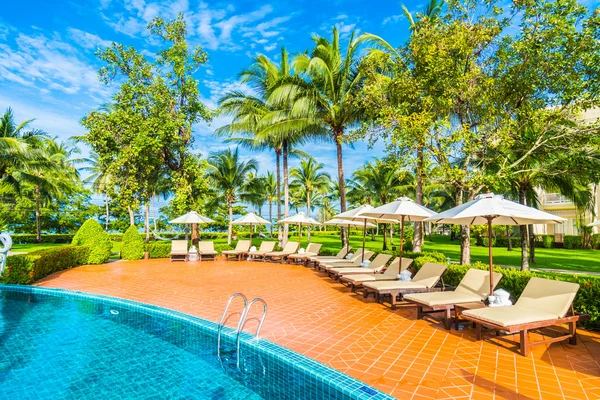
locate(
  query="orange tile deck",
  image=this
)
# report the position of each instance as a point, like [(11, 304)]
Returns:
[(390, 350)]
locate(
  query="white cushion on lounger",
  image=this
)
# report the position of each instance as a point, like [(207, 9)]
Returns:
[(510, 315), (439, 298), (393, 285)]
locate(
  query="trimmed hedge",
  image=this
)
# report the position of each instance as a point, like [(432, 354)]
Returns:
[(92, 235), (596, 241), (163, 249), (133, 244), (25, 238), (573, 242), (27, 268), (514, 281), (544, 241)]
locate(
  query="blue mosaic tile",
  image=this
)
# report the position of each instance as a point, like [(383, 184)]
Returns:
[(59, 344)]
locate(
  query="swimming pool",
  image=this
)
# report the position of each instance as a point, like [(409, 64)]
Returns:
[(57, 344)]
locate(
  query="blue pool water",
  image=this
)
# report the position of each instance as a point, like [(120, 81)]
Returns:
[(57, 344)]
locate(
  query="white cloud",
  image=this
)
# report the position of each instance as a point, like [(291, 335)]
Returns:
[(393, 19), (42, 63), (87, 40), (227, 25), (271, 47)]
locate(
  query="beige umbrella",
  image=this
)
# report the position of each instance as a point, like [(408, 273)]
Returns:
[(596, 223), (251, 219), (358, 215), (300, 219), (402, 209), (488, 209), (194, 219)]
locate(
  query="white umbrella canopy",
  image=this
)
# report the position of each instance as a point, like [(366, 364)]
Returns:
[(300, 219), (490, 209), (345, 222), (400, 210), (192, 218), (596, 223), (251, 219)]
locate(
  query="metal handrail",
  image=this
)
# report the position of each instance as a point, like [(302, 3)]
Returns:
[(240, 322), (243, 322)]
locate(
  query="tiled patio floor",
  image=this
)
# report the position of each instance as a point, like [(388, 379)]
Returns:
[(390, 350)]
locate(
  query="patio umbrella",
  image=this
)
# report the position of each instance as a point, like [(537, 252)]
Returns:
[(300, 219), (194, 219), (596, 223), (402, 209), (251, 219), (488, 209), (358, 215)]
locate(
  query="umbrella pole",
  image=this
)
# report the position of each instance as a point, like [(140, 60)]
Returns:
[(364, 236), (299, 235), (250, 235), (401, 240), (489, 219)]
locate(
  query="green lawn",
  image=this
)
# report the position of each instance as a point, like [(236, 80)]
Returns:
[(575, 260), (28, 247)]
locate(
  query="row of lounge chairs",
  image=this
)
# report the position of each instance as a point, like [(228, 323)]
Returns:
[(180, 252), (543, 302)]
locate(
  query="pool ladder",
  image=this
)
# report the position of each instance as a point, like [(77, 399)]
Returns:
[(241, 322)]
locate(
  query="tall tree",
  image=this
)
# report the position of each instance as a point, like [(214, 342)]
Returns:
[(100, 180), (310, 179), (229, 174)]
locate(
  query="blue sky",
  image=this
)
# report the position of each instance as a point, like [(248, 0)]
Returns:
[(48, 68)]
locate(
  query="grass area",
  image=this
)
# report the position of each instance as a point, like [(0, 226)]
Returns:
[(574, 260)]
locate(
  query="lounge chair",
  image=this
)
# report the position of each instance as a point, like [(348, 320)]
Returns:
[(423, 281), (311, 250), (241, 249), (206, 251), (352, 258), (543, 303), (340, 255), (179, 250), (474, 287), (376, 266), (265, 247), (353, 262), (390, 274), (290, 248)]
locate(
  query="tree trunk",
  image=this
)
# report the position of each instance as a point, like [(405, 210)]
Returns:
[(286, 193), (384, 228), (271, 217), (524, 236), (465, 245), (338, 136), (131, 216), (418, 236), (38, 222), (531, 244), (147, 221), (107, 214), (308, 215), (278, 173), (230, 228), (509, 238)]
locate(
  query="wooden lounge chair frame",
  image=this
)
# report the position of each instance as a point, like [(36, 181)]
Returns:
[(239, 251), (356, 286), (340, 255), (281, 255), (311, 250), (260, 254), (379, 265), (208, 254), (322, 265), (177, 253)]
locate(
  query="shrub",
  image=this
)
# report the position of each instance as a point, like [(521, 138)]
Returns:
[(20, 238), (27, 268), (544, 241), (514, 281), (596, 241), (133, 244), (573, 242), (93, 236)]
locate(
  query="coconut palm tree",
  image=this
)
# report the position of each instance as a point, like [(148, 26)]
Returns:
[(271, 196), (310, 179), (228, 173), (100, 180), (323, 94)]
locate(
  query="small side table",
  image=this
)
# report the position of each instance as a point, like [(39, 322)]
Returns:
[(459, 308)]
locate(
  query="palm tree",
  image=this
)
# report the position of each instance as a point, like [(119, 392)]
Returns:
[(310, 179), (100, 180), (228, 173), (271, 195), (323, 94)]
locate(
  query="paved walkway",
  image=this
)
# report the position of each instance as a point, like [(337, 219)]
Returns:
[(391, 350)]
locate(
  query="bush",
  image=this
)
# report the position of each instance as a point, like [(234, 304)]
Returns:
[(514, 281), (133, 244), (27, 268), (596, 241), (544, 241), (20, 238), (573, 242), (93, 236)]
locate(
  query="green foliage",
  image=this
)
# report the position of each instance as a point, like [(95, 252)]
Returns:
[(596, 241), (23, 238), (544, 241), (133, 244), (26, 269), (93, 236), (573, 242), (514, 281)]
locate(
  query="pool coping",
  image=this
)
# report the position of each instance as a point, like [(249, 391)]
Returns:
[(335, 379)]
